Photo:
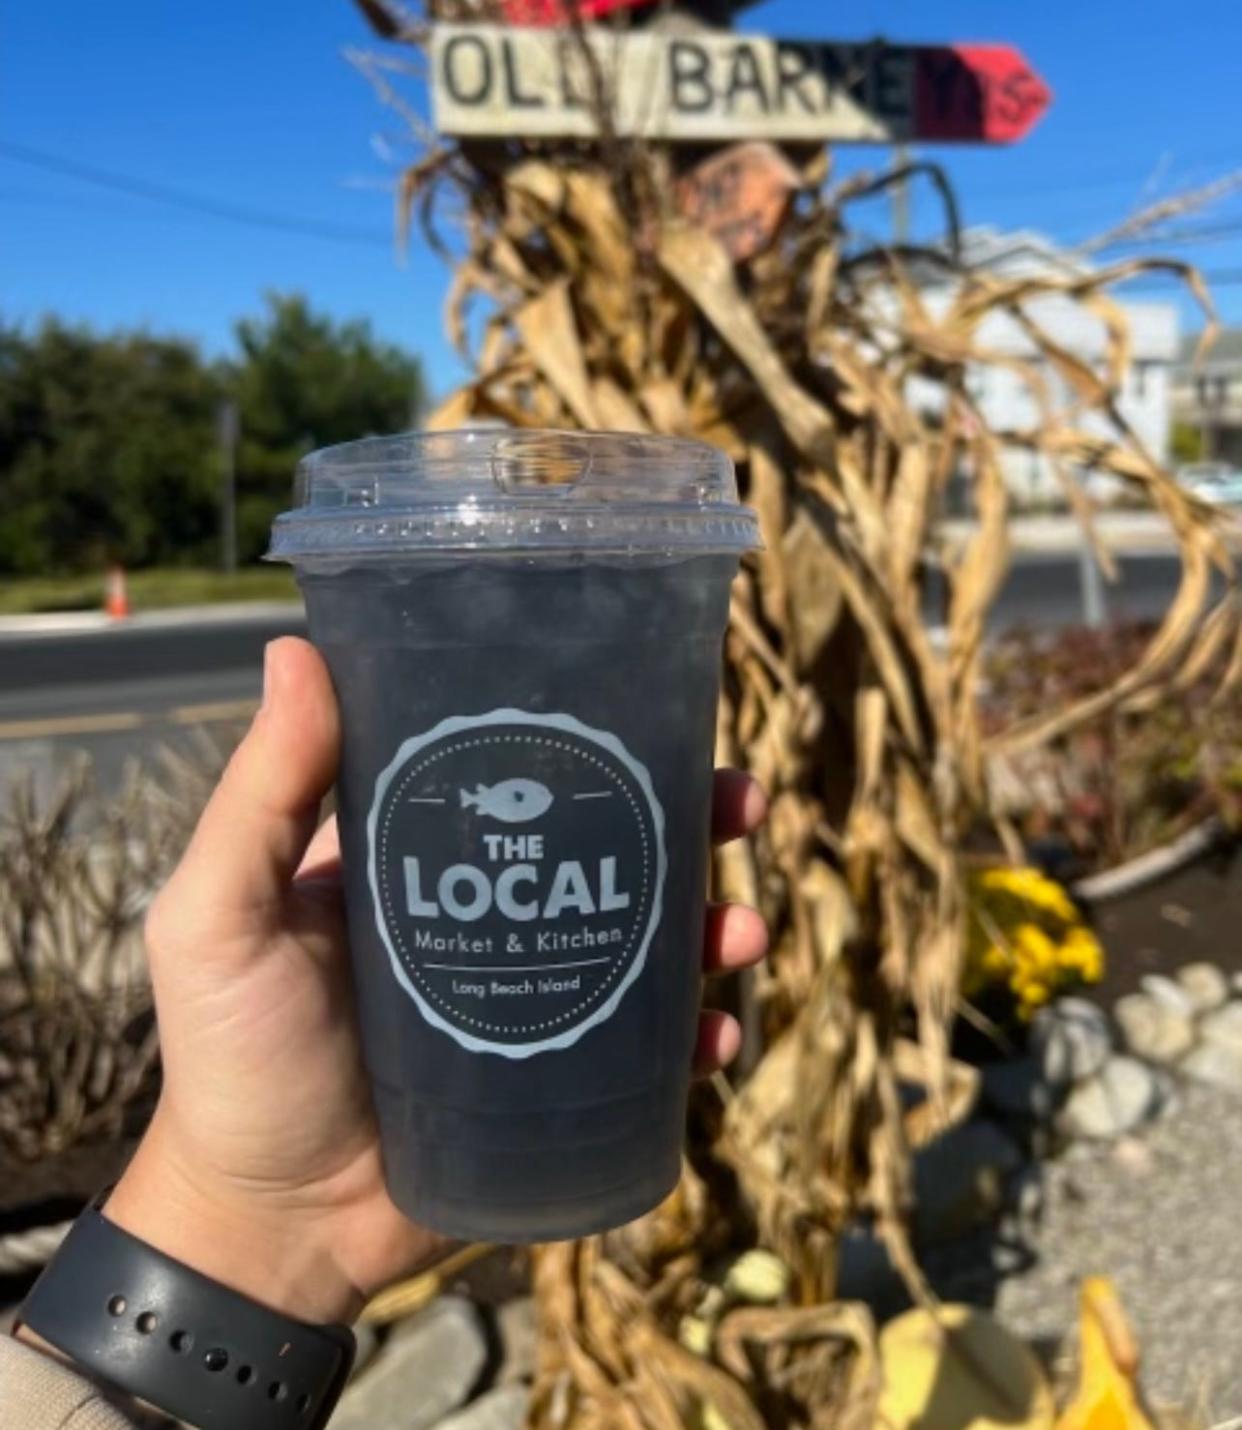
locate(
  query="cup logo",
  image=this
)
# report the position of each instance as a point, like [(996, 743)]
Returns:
[(512, 801), (517, 865)]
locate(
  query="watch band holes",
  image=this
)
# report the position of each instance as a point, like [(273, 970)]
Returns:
[(146, 1323), (304, 1404), (217, 1358), (182, 1342), (116, 1305), (245, 1374), (278, 1391)]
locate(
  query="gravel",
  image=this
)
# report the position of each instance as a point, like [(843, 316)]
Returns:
[(1157, 1212)]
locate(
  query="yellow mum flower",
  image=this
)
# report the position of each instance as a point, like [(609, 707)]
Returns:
[(1026, 936)]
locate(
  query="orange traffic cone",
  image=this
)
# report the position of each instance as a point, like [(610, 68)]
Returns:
[(116, 595)]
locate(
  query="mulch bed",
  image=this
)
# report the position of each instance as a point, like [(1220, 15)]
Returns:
[(1190, 916)]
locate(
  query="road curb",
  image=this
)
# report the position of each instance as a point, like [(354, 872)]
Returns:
[(49, 625), (1134, 533)]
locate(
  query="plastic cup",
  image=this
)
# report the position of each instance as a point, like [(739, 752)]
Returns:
[(524, 632)]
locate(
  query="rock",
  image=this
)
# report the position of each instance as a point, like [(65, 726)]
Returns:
[(1224, 1026), (1166, 1092), (366, 1341), (1215, 1063), (1121, 1096), (1165, 991), (959, 1180), (516, 1329), (865, 1271), (1070, 1040), (1024, 1204), (1134, 1155), (758, 1277), (427, 1368), (1086, 1153), (500, 1409), (1152, 1029), (864, 1258), (1008, 1256), (1015, 1088), (1026, 1193), (1204, 984)]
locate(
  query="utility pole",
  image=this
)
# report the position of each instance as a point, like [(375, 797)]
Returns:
[(1091, 585), (901, 198), (1213, 400), (228, 427)]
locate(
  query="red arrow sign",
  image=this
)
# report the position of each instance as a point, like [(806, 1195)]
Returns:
[(986, 92)]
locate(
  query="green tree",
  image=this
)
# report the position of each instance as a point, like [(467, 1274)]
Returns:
[(105, 449), (302, 381), (108, 443), (1186, 442)]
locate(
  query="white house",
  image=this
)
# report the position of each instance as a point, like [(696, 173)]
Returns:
[(1004, 397), (1207, 395)]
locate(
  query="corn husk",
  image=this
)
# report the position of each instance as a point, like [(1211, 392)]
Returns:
[(603, 305)]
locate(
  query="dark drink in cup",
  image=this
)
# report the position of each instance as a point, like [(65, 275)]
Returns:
[(524, 632)]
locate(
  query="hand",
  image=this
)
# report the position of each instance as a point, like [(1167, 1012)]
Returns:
[(261, 1167)]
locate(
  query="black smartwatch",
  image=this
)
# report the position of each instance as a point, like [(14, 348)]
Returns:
[(158, 1330)]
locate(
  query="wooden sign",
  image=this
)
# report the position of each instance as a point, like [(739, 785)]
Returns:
[(740, 196), (497, 81)]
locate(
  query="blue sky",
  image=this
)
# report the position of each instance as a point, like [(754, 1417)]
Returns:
[(252, 103)]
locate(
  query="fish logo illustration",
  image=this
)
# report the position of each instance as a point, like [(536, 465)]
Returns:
[(511, 801)]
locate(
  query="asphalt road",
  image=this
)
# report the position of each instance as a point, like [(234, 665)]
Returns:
[(121, 692), (1047, 590), (124, 691)]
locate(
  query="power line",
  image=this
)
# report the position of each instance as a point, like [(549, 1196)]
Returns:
[(1107, 178), (166, 194), (1220, 278), (228, 211), (344, 233), (1050, 191), (1187, 233)]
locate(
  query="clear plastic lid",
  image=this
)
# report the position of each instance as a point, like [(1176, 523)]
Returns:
[(514, 490)]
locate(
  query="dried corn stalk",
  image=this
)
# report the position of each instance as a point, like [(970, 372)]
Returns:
[(78, 1046), (601, 307)]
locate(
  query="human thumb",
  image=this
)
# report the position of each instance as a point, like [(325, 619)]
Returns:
[(256, 827)]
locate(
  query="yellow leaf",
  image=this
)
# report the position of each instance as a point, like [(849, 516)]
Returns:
[(1107, 1397), (958, 1367)]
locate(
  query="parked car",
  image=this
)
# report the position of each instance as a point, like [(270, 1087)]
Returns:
[(1215, 482)]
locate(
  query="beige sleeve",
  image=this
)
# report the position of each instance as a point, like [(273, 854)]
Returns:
[(39, 1393)]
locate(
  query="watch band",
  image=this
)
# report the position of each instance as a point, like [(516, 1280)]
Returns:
[(155, 1328)]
